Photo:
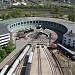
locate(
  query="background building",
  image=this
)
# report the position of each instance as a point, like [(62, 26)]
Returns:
[(4, 35), (69, 39)]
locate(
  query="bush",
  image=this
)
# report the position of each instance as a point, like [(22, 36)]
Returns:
[(6, 50)]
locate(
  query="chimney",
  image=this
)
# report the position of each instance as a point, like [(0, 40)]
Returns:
[(70, 32)]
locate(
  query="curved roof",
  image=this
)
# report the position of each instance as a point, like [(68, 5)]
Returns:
[(68, 24)]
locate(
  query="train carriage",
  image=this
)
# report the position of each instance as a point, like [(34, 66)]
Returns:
[(68, 52)]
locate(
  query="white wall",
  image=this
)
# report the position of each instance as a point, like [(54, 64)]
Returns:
[(67, 42), (4, 39)]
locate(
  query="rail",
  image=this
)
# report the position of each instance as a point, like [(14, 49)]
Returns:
[(58, 64), (39, 62), (52, 66)]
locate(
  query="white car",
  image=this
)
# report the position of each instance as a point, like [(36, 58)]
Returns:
[(17, 38)]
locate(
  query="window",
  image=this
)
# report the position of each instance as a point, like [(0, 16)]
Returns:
[(4, 39), (51, 22), (33, 21), (36, 21), (48, 22), (64, 40), (21, 22), (45, 22), (4, 42), (54, 23), (14, 24), (42, 21), (39, 21), (69, 42), (69, 39), (73, 40), (73, 43), (10, 26), (3, 36), (24, 22), (27, 21)]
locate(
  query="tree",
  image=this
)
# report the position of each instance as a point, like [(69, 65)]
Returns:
[(71, 17), (17, 13), (2, 53), (0, 59), (57, 9), (9, 47), (4, 17), (71, 9)]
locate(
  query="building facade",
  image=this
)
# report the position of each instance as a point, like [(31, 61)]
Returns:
[(69, 39), (4, 35)]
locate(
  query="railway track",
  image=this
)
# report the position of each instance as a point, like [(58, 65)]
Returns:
[(55, 68), (20, 70), (51, 63), (49, 57), (39, 62), (58, 64)]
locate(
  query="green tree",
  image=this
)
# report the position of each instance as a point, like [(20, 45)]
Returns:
[(2, 53), (56, 9), (0, 59), (9, 47), (17, 13), (71, 17), (4, 16), (71, 10)]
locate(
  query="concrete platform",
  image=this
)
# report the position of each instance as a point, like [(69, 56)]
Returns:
[(34, 66), (44, 64)]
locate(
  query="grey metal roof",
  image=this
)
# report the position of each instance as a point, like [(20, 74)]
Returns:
[(71, 35), (3, 29), (68, 24)]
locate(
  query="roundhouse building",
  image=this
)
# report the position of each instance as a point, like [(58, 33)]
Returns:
[(59, 25)]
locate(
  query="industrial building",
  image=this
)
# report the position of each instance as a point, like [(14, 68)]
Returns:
[(60, 25)]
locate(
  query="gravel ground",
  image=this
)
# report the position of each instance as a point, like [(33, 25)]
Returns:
[(67, 64)]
